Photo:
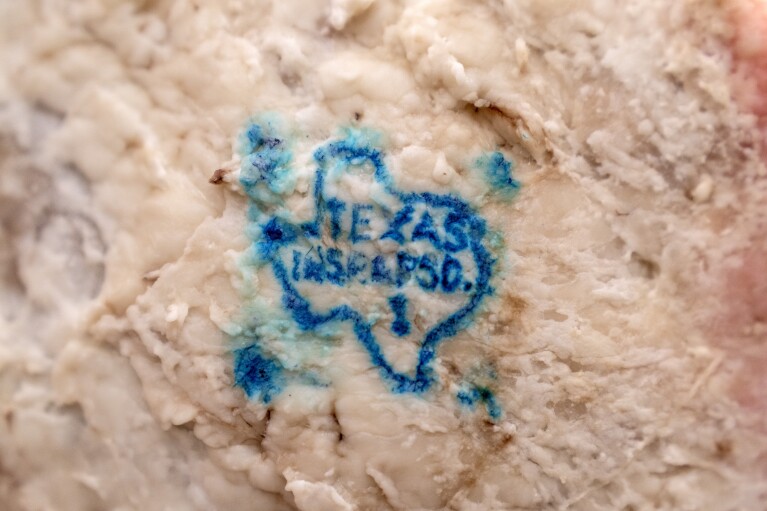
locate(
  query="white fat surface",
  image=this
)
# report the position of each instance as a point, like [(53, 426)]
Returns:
[(121, 276)]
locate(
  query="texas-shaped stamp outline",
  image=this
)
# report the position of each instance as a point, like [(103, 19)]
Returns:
[(277, 233)]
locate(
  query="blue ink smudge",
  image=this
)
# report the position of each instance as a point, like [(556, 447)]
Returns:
[(498, 173), (476, 388), (474, 394), (265, 171), (256, 374)]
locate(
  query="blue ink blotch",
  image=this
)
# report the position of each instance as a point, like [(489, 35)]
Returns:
[(469, 397), (265, 171), (499, 172), (256, 374)]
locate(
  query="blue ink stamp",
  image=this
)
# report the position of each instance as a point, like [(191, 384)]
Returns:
[(368, 260)]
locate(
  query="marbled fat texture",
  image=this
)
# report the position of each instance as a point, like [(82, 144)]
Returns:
[(366, 254)]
